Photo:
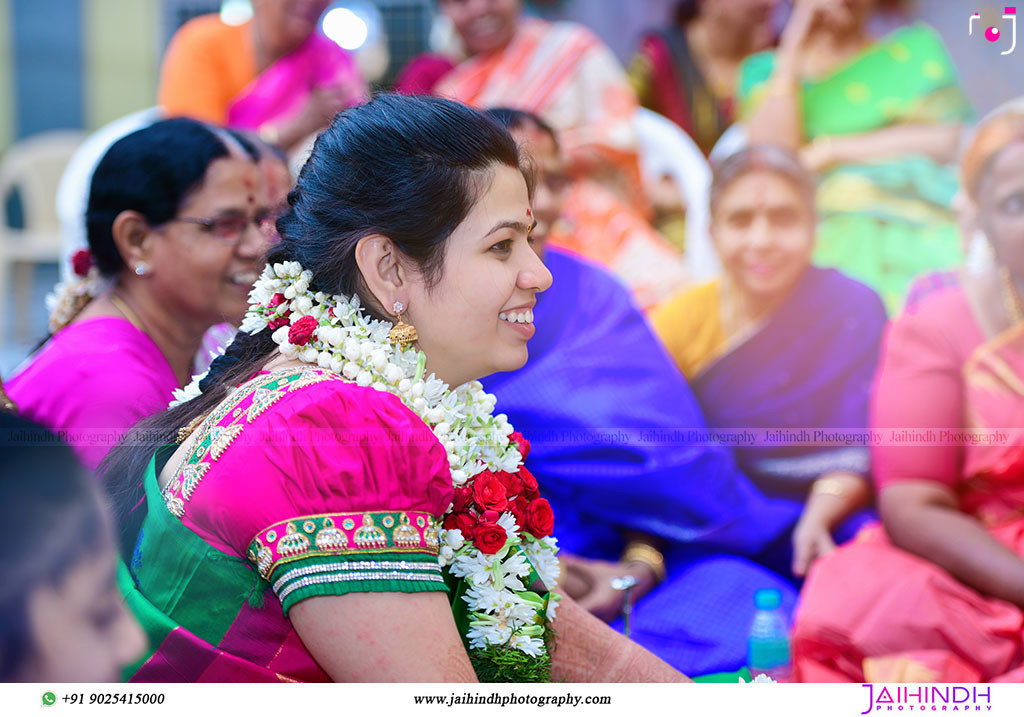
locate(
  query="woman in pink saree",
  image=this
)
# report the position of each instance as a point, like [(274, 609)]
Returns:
[(275, 75), (936, 592)]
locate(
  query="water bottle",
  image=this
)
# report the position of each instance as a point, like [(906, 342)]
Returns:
[(768, 645)]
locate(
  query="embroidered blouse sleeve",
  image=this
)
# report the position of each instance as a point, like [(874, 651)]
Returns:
[(347, 487)]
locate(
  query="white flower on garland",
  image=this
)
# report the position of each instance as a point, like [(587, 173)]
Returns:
[(503, 610), (542, 555)]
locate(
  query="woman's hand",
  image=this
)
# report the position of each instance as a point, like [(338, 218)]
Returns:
[(587, 650), (806, 16), (812, 539), (833, 498), (590, 583)]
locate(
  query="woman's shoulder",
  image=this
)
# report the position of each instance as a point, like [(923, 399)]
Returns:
[(845, 291), (939, 323), (689, 319), (107, 351), (700, 296), (303, 442), (317, 395), (310, 418)]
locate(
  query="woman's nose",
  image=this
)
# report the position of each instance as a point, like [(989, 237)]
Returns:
[(533, 275)]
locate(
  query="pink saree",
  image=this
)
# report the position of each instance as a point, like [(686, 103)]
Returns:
[(91, 382), (871, 611), (284, 88)]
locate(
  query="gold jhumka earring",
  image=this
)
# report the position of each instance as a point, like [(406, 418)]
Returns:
[(402, 333)]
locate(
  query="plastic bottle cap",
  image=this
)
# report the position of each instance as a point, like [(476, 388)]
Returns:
[(767, 599)]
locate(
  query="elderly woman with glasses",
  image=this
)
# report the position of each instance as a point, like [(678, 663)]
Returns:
[(177, 227)]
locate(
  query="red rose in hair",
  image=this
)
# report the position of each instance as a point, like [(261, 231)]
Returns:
[(530, 488), (276, 300), (461, 521), (518, 510), (540, 520), (521, 443), (490, 538), (489, 492), (302, 331), (513, 483), (81, 262), (463, 498), (280, 321)]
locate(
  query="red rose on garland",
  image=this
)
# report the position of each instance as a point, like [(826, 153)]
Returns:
[(490, 538), (530, 488), (489, 492), (81, 262), (465, 522), (518, 510), (540, 520), (276, 300), (463, 499), (521, 443), (513, 483), (302, 331)]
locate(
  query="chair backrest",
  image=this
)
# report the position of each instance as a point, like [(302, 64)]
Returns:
[(665, 149), (33, 167)]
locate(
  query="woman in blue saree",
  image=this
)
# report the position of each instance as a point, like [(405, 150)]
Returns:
[(619, 447), (782, 349)]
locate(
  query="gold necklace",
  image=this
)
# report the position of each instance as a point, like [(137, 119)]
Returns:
[(1011, 298), (128, 313)]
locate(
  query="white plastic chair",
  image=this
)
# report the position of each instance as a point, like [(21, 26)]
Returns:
[(665, 149), (32, 169)]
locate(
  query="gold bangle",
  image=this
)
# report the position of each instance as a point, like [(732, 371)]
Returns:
[(647, 555), (829, 486)]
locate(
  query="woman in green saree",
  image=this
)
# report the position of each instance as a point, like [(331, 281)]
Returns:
[(879, 120)]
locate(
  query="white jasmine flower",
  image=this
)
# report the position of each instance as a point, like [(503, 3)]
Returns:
[(184, 395), (532, 646), (453, 538), (480, 636), (352, 350), (280, 335)]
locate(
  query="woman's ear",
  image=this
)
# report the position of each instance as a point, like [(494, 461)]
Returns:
[(383, 273), (132, 237)]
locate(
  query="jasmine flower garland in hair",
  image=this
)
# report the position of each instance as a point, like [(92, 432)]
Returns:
[(495, 545)]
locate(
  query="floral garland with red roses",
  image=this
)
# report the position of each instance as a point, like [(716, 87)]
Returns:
[(496, 549)]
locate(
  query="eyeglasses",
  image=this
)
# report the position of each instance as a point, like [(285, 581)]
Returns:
[(230, 228)]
